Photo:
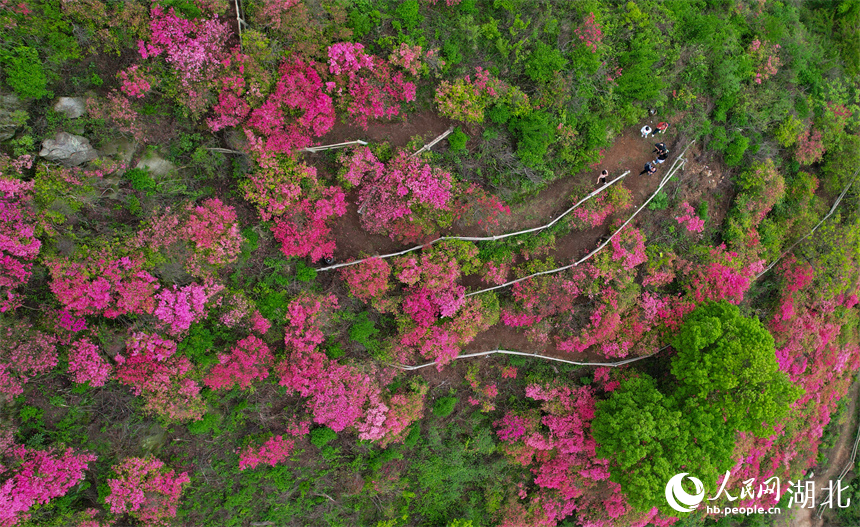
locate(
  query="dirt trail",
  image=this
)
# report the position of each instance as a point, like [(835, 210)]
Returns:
[(837, 459), (629, 151)]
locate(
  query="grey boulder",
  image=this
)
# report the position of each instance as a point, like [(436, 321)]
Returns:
[(68, 150), (72, 107)]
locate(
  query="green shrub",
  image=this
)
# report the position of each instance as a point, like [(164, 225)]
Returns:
[(499, 113), (736, 149), (452, 53), (132, 204), (444, 406), (534, 132), (140, 179), (413, 436), (660, 201), (457, 140), (334, 351), (543, 62), (305, 273), (322, 436), (208, 424), (24, 72), (407, 12), (364, 332)]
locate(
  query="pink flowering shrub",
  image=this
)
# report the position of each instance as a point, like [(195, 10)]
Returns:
[(249, 360), (24, 353), (404, 197), (810, 147), (358, 162), (628, 246), (367, 280), (304, 231), (18, 243), (298, 93), (209, 232), (465, 100), (275, 186), (589, 33), (86, 365), (145, 489), (765, 58), (388, 421), (34, 477), (100, 283), (118, 112), (135, 81), (151, 368), (474, 206), (194, 51), (180, 307), (689, 219), (306, 317), (721, 276), (275, 450), (365, 85)]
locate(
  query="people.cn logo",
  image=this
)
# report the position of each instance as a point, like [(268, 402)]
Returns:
[(679, 499)]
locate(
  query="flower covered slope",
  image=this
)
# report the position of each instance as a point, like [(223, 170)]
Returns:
[(204, 320)]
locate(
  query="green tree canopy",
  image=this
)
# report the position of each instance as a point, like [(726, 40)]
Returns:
[(729, 361)]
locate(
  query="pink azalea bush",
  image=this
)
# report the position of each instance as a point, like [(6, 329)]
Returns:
[(135, 81), (275, 450), (178, 308), (145, 489), (402, 198), (86, 365), (151, 368), (304, 230), (100, 283), (589, 33), (275, 186), (689, 219), (18, 243), (367, 280), (24, 353), (34, 477), (365, 85), (299, 91), (249, 360)]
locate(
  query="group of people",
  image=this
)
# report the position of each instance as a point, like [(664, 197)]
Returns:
[(659, 149)]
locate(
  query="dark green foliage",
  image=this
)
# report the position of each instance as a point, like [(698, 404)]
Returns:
[(364, 331), (207, 425), (305, 273), (660, 201), (140, 179), (534, 133), (183, 8), (407, 12), (543, 62), (457, 140), (133, 205), (334, 351), (24, 72), (199, 345), (444, 406), (322, 436)]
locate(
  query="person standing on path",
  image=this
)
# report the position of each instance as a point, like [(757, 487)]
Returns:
[(662, 153), (649, 169), (601, 179), (661, 128)]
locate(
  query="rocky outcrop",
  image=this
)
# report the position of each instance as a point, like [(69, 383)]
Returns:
[(157, 165), (11, 113), (68, 150), (72, 107)]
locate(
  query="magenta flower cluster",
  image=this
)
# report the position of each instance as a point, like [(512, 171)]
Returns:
[(146, 490), (689, 219), (37, 477), (87, 365), (18, 243)]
